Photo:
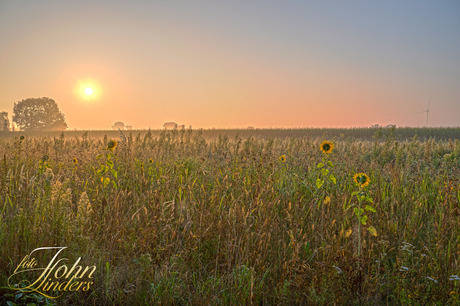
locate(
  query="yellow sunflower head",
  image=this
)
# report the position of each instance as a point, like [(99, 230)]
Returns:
[(75, 160), (112, 144), (283, 158), (150, 161), (327, 146), (361, 179)]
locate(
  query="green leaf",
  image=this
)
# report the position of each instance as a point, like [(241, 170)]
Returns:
[(324, 172), (99, 156), (105, 181), (358, 212), (370, 208), (18, 296), (369, 199), (330, 164), (363, 220), (114, 173), (320, 165), (319, 183), (372, 230), (114, 185), (332, 178)]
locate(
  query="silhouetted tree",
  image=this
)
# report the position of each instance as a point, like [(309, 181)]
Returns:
[(118, 125), (38, 114), (4, 122), (170, 125)]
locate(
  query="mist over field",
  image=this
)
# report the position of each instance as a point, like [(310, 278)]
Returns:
[(229, 152)]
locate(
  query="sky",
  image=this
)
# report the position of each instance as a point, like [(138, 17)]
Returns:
[(233, 64)]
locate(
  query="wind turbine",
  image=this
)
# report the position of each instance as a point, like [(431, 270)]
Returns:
[(427, 111)]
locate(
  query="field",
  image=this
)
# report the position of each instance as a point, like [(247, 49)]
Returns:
[(237, 217)]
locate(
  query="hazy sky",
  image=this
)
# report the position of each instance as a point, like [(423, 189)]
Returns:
[(235, 63)]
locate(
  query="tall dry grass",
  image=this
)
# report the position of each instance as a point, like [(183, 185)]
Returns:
[(183, 219)]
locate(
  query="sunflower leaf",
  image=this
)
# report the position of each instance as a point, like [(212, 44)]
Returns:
[(372, 230), (363, 220), (370, 208), (332, 178), (348, 233), (369, 199), (319, 183), (358, 211), (320, 165), (330, 164), (105, 181)]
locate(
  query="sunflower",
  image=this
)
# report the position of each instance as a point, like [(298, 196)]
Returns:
[(327, 146), (112, 144), (150, 161), (283, 158), (361, 179), (75, 160)]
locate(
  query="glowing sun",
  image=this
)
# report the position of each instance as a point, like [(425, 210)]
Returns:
[(88, 91)]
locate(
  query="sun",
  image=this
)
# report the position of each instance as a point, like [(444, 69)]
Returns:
[(88, 91)]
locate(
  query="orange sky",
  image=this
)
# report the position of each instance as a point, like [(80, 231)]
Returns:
[(264, 63)]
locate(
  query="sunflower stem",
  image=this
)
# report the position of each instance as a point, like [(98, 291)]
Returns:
[(359, 228)]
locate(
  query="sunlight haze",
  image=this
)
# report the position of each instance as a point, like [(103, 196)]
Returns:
[(228, 64)]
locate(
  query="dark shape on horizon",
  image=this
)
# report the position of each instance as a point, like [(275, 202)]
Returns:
[(38, 114), (170, 125), (251, 127), (118, 125), (4, 122)]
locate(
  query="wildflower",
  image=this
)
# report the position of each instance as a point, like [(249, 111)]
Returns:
[(403, 269), (150, 161), (75, 160), (327, 200), (431, 279), (283, 158), (339, 271), (361, 179), (112, 144), (327, 147)]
